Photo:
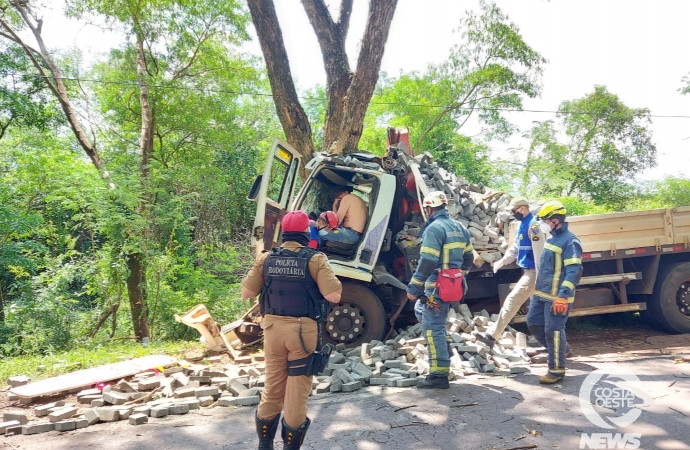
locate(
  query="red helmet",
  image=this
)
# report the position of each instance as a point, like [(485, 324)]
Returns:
[(295, 221), (330, 218)]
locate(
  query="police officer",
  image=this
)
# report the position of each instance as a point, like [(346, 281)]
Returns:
[(560, 269), (445, 245), (529, 238), (294, 281)]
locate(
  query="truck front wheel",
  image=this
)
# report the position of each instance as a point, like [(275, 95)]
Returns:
[(358, 318), (670, 303)]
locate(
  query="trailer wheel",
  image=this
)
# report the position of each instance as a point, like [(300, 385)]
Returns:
[(670, 303), (358, 318)]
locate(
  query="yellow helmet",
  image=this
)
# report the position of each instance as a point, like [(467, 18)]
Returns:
[(550, 209)]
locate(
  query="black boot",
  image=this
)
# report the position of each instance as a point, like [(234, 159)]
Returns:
[(434, 381), (293, 437), (266, 429)]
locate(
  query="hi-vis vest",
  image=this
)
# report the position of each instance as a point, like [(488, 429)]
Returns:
[(289, 289), (528, 232)]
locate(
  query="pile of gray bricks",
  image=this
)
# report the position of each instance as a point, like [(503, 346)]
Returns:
[(402, 360), (482, 210)]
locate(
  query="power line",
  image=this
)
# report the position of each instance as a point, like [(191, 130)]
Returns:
[(323, 99)]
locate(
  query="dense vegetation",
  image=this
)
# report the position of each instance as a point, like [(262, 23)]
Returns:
[(173, 116)]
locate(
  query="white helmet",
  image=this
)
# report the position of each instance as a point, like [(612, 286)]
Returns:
[(435, 199)]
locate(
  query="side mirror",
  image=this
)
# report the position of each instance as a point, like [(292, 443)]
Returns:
[(254, 191)]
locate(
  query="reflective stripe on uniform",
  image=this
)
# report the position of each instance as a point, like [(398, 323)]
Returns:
[(525, 247), (553, 248), (431, 251), (416, 282), (446, 251), (571, 261), (433, 356), (468, 248), (556, 274), (557, 349), (569, 285)]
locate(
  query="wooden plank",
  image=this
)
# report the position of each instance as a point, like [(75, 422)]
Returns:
[(89, 377), (628, 307)]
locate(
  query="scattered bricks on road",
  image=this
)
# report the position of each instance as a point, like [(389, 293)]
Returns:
[(138, 419), (378, 381), (393, 363), (205, 401), (178, 408), (193, 384), (407, 382), (87, 399), (519, 369), (92, 416), (336, 358), (19, 416), (125, 412), (243, 360), (213, 373), (19, 380), (159, 411), (351, 387), (114, 398), (108, 414), (171, 370), (363, 371), (63, 413), (97, 403), (93, 391), (236, 387), (13, 431), (239, 401), (143, 409), (81, 423), (36, 428), (44, 410), (206, 391), (253, 372), (185, 392), (540, 359), (390, 382), (124, 386), (259, 357), (344, 375), (322, 388), (337, 386), (201, 379), (488, 368), (66, 425), (8, 424), (149, 384)]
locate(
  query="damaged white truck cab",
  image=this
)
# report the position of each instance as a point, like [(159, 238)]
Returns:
[(370, 292)]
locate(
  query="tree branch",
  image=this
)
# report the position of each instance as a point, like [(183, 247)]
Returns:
[(344, 18)]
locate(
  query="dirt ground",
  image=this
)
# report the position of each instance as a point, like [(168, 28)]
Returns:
[(479, 412)]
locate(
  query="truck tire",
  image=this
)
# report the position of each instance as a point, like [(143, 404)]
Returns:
[(670, 302), (358, 318)]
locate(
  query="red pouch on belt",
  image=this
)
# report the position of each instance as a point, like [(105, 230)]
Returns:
[(449, 285)]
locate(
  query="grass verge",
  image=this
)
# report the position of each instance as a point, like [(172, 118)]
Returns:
[(38, 367)]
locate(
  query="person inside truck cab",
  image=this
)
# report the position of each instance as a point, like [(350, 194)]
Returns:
[(351, 212)]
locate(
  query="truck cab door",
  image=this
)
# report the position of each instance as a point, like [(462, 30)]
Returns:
[(273, 191)]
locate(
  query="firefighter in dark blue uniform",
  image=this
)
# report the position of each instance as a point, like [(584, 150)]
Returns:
[(295, 282)]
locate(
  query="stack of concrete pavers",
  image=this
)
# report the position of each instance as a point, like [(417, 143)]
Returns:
[(482, 210), (398, 362)]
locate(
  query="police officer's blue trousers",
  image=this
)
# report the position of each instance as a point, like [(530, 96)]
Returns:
[(549, 330), (434, 331)]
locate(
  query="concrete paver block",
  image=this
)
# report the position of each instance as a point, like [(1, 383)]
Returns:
[(81, 423), (63, 413), (66, 425), (36, 428), (92, 416), (108, 414), (87, 399), (114, 398), (206, 391), (149, 384), (8, 424), (138, 419), (239, 401), (159, 411), (205, 401), (44, 410), (19, 416), (178, 408)]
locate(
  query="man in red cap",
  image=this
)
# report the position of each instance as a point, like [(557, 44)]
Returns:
[(295, 282)]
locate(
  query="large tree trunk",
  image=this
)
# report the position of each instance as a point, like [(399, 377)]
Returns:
[(348, 93), (290, 112), (136, 282)]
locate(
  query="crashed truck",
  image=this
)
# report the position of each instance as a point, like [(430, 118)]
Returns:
[(633, 261)]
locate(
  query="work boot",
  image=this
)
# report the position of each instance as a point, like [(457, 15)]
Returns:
[(293, 437), (551, 377), (434, 381), (266, 429), (484, 337)]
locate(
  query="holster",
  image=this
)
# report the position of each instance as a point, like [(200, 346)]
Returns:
[(312, 364)]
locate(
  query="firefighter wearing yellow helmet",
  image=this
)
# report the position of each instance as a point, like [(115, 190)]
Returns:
[(560, 269)]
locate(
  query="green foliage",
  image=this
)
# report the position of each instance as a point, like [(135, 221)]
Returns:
[(608, 143), (490, 69)]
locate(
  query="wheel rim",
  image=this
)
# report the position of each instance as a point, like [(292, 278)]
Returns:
[(346, 323), (683, 299)]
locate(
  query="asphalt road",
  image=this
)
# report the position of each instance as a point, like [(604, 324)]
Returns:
[(479, 412)]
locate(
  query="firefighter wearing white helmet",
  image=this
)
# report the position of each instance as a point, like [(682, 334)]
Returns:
[(560, 269), (445, 253)]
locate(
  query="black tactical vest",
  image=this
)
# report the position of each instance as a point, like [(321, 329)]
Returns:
[(289, 289)]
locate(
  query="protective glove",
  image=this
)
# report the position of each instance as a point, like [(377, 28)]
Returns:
[(498, 264), (560, 305)]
